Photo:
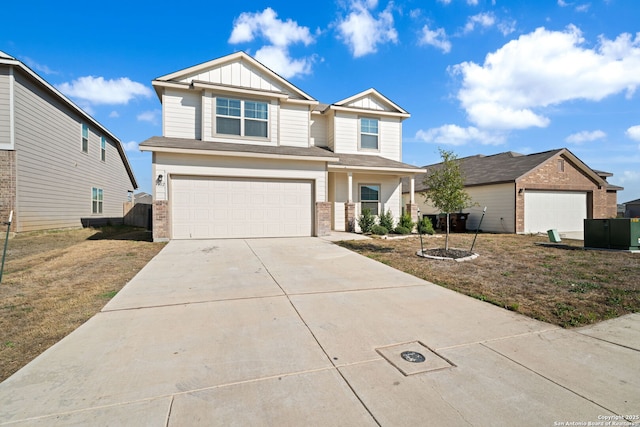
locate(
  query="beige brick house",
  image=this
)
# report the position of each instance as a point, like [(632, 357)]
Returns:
[(530, 193)]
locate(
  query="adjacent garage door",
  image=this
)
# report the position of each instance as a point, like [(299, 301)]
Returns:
[(560, 210), (205, 208)]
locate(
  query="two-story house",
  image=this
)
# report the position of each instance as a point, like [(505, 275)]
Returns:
[(59, 167), (245, 153)]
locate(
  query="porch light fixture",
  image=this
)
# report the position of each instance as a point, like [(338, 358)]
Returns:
[(520, 191), (159, 180)]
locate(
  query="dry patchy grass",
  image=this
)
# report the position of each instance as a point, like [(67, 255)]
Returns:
[(568, 287), (55, 281)]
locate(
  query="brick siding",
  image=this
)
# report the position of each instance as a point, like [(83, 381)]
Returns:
[(160, 220), (8, 187), (323, 218), (349, 216)]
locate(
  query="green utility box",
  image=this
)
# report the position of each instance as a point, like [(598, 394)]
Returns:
[(614, 233), (554, 237)]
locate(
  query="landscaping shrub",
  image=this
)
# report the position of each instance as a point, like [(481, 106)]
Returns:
[(386, 220), (366, 220), (379, 230), (425, 226), (405, 221), (402, 230)]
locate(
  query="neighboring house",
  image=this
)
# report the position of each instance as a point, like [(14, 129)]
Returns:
[(245, 153), (632, 209), (530, 193), (142, 198), (59, 167)]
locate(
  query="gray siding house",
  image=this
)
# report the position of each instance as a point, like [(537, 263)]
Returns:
[(59, 167)]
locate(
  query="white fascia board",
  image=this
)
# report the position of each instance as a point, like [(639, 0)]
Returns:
[(238, 90), (370, 112), (301, 102), (236, 154), (385, 170)]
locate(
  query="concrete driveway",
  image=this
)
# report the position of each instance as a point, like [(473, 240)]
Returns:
[(291, 332)]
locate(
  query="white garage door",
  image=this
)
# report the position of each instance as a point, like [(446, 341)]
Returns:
[(560, 210), (205, 208)]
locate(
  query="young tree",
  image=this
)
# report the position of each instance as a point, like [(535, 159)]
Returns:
[(445, 188)]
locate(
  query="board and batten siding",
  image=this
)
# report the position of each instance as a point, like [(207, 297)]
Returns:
[(237, 73), (5, 108), (54, 176), (294, 125), (498, 198), (242, 167), (181, 115)]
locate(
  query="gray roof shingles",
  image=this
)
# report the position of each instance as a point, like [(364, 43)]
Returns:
[(347, 160)]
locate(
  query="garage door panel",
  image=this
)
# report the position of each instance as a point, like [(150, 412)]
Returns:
[(205, 207), (560, 210)]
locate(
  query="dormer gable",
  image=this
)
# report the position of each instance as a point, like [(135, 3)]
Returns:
[(238, 73), (370, 101)]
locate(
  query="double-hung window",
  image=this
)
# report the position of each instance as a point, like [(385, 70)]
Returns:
[(103, 148), (96, 200), (368, 133), (241, 117), (370, 198), (85, 138)]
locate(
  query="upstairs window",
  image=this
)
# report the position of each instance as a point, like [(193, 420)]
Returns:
[(103, 148), (96, 200), (370, 198), (241, 118), (85, 138), (369, 134)]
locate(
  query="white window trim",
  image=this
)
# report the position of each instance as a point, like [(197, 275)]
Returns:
[(360, 133), (370, 184), (242, 119), (99, 200), (84, 126), (103, 148)]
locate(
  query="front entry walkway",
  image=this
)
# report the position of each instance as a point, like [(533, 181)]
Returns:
[(299, 331)]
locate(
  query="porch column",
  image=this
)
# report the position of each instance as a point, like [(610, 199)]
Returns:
[(413, 190), (349, 206)]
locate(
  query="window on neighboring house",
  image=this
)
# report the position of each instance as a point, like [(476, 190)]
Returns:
[(85, 138), (241, 118), (370, 197), (103, 148), (369, 133), (96, 200)]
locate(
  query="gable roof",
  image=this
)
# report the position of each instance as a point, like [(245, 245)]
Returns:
[(369, 99), (11, 61), (189, 76), (505, 167)]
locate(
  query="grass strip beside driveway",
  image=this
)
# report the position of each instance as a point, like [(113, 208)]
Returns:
[(567, 287), (55, 281)]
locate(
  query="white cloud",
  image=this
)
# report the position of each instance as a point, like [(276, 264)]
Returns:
[(363, 32), (279, 36), (583, 7), (633, 132), (437, 38), (266, 24), (130, 146), (484, 20), (585, 136), (562, 3), (97, 90), (472, 2), (507, 27), (445, 1), (149, 116), (39, 67), (114, 114), (456, 135), (545, 68), (278, 59)]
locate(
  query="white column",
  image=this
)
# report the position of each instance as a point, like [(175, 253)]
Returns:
[(413, 188), (350, 187)]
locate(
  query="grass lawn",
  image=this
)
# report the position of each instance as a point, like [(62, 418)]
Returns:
[(567, 287), (55, 281)]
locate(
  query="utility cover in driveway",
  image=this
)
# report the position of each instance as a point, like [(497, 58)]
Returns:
[(414, 358), (217, 207)]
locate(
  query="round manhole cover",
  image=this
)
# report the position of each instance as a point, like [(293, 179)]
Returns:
[(412, 356)]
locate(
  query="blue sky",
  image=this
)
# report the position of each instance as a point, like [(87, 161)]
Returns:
[(478, 77)]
